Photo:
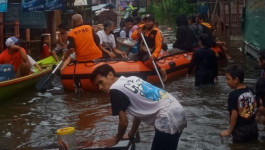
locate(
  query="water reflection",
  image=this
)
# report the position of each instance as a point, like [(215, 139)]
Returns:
[(33, 121), (30, 120)]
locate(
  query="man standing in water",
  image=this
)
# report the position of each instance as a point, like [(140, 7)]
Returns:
[(81, 41), (146, 103)]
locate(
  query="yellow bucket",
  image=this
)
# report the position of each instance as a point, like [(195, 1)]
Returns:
[(66, 138)]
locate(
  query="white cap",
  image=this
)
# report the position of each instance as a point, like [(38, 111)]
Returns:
[(11, 41)]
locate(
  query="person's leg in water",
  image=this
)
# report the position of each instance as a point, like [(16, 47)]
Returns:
[(165, 141), (163, 74), (162, 71)]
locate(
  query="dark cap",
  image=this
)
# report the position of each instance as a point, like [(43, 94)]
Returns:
[(149, 17)]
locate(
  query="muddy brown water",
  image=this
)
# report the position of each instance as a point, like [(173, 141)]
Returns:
[(30, 120)]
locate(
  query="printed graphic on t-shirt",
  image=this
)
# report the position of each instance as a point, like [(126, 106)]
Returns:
[(146, 90), (246, 105)]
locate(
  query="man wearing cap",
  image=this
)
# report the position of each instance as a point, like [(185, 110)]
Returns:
[(153, 38), (16, 56)]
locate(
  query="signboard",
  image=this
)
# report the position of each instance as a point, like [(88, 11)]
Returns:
[(33, 5), (54, 5), (33, 20), (85, 2), (3, 5)]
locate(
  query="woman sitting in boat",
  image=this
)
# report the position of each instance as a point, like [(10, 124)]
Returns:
[(107, 41), (16, 56), (154, 40)]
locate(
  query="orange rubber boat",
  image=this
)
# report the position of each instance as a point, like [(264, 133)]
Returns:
[(79, 74)]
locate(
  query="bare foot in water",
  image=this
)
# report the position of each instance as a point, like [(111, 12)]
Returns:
[(163, 74)]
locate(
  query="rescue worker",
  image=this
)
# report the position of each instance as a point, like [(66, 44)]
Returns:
[(81, 41), (153, 38)]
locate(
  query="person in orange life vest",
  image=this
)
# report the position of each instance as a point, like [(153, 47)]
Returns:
[(153, 39), (16, 56), (216, 44), (81, 41), (44, 47)]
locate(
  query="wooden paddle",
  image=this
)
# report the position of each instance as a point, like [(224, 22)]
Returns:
[(148, 50), (45, 81)]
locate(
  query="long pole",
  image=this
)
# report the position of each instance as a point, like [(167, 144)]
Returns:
[(148, 50)]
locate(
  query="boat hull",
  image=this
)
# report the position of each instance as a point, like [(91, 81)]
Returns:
[(175, 66), (15, 86)]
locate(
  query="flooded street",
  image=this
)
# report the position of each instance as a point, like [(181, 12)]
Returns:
[(30, 120)]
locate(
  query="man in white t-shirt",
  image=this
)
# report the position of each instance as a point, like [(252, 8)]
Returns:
[(146, 103), (107, 41)]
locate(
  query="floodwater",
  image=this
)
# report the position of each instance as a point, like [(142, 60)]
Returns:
[(30, 120)]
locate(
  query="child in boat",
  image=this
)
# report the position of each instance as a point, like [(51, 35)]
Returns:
[(260, 89), (261, 62), (242, 107), (44, 46), (127, 31), (61, 46)]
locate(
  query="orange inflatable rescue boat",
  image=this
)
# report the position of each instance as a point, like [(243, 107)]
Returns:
[(79, 74)]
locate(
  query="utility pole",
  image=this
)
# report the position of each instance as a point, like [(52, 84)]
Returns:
[(237, 16)]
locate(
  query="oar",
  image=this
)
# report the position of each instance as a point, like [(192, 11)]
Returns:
[(148, 50), (45, 82)]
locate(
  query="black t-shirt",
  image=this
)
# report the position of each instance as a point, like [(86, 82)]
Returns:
[(208, 31), (205, 61), (119, 101), (243, 100), (184, 38)]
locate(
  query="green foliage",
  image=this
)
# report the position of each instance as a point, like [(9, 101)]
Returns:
[(166, 11)]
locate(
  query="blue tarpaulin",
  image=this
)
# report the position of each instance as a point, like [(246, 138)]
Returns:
[(54, 4), (33, 20), (254, 30), (3, 5), (42, 5), (33, 5)]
